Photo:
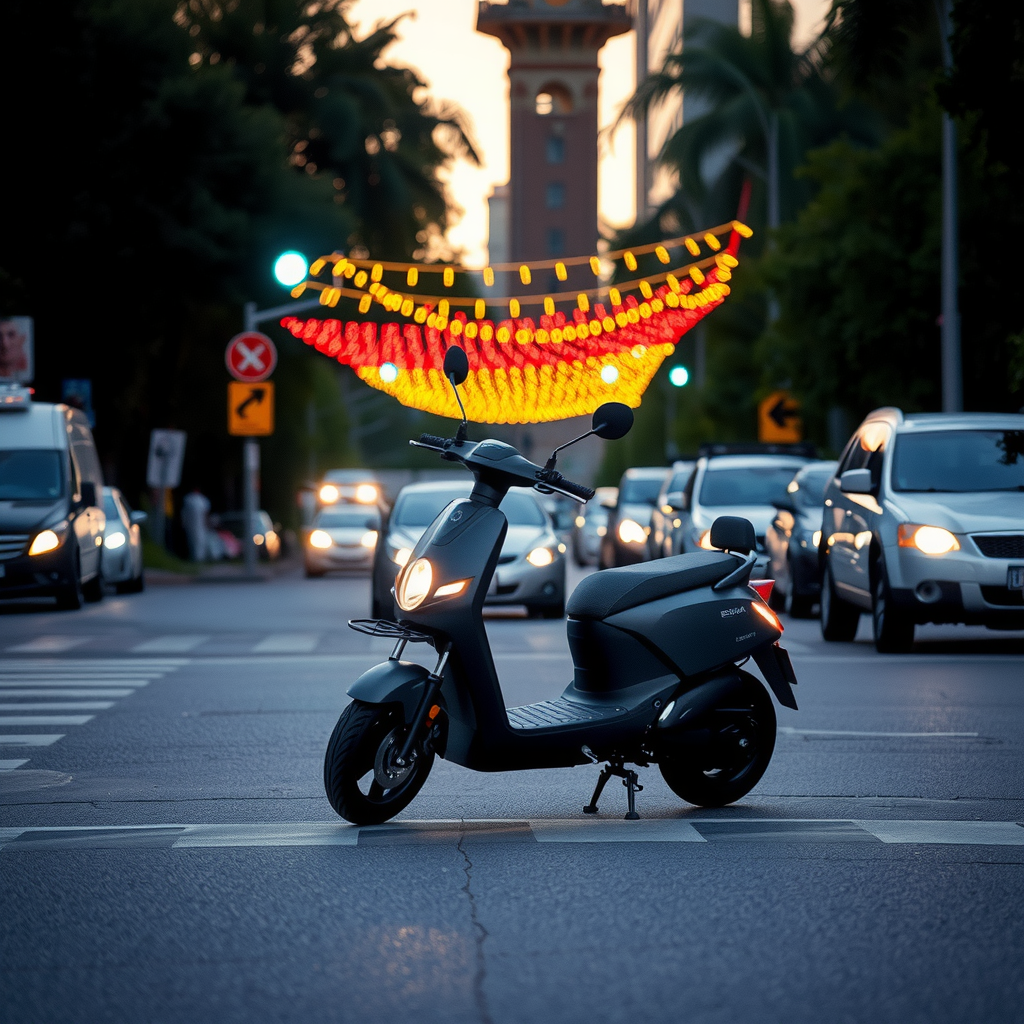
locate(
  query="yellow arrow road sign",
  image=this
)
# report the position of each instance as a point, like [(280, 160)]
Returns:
[(250, 409), (778, 419)]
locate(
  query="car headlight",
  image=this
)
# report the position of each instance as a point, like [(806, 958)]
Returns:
[(320, 539), (369, 539), (366, 494), (414, 584), (45, 540), (631, 532), (816, 538), (114, 541), (580, 522), (931, 540), (702, 538), (329, 494), (540, 557), (401, 556)]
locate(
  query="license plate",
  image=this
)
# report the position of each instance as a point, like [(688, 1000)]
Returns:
[(1015, 577)]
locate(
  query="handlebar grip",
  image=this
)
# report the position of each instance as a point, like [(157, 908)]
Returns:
[(556, 479), (433, 439)]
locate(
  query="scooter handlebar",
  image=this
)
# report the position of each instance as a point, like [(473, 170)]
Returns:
[(558, 482), (432, 440)]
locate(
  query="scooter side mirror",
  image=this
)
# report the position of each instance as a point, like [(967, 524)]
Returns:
[(612, 420), (456, 365)]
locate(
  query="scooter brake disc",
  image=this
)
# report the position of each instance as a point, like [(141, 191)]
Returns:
[(386, 772)]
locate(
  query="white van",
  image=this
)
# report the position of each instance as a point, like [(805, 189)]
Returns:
[(51, 489)]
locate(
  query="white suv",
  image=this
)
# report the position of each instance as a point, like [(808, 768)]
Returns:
[(924, 522)]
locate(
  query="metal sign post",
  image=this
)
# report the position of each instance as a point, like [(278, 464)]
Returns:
[(251, 466)]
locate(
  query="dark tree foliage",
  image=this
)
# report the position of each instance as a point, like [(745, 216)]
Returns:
[(149, 180)]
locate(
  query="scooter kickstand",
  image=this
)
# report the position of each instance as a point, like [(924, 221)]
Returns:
[(602, 779), (632, 783)]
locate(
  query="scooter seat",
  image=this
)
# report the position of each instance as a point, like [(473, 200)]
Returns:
[(614, 590)]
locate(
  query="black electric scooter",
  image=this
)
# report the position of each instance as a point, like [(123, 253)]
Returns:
[(656, 649)]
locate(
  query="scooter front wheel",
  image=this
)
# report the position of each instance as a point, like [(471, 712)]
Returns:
[(363, 781), (723, 761)]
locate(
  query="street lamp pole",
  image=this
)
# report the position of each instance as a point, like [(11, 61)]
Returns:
[(253, 317)]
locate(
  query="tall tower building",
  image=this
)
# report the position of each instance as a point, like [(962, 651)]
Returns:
[(553, 76)]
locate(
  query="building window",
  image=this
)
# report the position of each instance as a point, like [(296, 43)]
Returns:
[(556, 150), (553, 98), (554, 195), (556, 242)]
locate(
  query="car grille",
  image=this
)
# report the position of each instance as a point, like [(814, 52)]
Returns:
[(1007, 545), (12, 544)]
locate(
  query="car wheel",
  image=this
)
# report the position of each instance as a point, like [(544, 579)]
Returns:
[(894, 630), (70, 596), (93, 590), (839, 618)]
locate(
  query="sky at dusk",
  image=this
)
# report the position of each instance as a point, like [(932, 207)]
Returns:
[(459, 64)]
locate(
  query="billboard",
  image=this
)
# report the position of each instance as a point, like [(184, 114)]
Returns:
[(16, 353)]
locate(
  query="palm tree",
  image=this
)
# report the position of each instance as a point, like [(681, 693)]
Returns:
[(766, 106), (352, 119)]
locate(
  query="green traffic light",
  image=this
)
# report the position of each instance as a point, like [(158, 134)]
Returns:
[(290, 268), (678, 376)]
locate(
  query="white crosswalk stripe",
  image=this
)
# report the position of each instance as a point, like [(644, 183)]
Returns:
[(570, 830), (31, 687), (288, 643), (48, 644), (178, 644)]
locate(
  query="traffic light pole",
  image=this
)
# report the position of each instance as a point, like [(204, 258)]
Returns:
[(251, 448)]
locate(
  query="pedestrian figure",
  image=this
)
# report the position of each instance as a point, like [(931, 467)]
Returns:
[(194, 509)]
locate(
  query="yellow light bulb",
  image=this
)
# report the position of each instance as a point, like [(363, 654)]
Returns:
[(692, 246), (549, 305), (712, 242), (364, 303), (524, 274), (513, 308), (560, 271), (696, 274), (361, 279), (407, 307), (645, 289), (615, 297), (630, 260), (448, 277), (595, 266), (583, 302), (488, 277), (479, 309), (442, 308), (412, 276), (377, 272), (662, 253)]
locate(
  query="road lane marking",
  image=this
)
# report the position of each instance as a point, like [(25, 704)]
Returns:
[(96, 664), (39, 691), (791, 731), (567, 830), (9, 766), (45, 719), (29, 739), (76, 680), (49, 644), (954, 833), (77, 705), (288, 643), (172, 643)]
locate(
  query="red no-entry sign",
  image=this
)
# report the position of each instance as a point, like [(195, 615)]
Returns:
[(250, 357)]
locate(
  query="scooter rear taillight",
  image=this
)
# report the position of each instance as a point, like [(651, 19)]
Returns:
[(763, 588)]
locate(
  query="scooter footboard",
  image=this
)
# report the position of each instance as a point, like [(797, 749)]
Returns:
[(392, 682)]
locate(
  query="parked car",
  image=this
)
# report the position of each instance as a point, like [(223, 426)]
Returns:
[(51, 513), (793, 538), (629, 520), (924, 522), (591, 525), (266, 534), (563, 512), (531, 566), (342, 537), (122, 544), (667, 506), (734, 485)]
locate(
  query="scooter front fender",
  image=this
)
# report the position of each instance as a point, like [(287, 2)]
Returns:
[(392, 682)]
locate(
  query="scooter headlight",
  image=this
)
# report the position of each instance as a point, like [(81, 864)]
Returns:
[(414, 584)]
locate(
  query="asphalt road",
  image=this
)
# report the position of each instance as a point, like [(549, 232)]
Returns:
[(167, 854)]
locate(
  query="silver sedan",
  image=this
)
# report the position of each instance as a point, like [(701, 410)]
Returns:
[(122, 544)]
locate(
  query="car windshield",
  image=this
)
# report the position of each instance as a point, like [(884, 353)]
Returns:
[(30, 474), (749, 485), (811, 492), (640, 490), (421, 508), (959, 461), (356, 518)]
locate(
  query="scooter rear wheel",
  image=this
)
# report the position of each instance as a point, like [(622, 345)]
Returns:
[(720, 768), (363, 782)]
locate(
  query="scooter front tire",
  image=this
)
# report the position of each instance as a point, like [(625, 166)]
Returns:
[(358, 756), (726, 769)]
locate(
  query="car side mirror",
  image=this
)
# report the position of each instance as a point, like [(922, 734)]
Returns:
[(857, 481), (138, 518), (675, 499), (88, 491)]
